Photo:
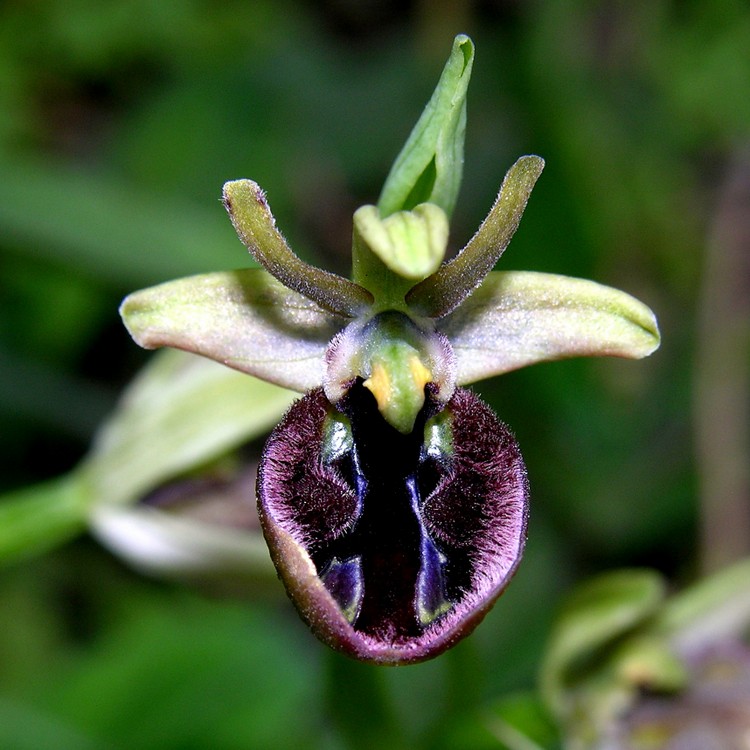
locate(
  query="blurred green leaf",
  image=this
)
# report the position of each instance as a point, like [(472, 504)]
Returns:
[(110, 231), (181, 674), (181, 412), (711, 610), (597, 613), (24, 727)]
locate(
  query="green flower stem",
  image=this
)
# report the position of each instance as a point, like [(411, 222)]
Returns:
[(370, 272), (358, 704), (36, 519)]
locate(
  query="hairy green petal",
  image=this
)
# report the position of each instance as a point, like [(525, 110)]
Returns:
[(518, 318), (452, 283), (244, 319), (430, 165), (252, 219)]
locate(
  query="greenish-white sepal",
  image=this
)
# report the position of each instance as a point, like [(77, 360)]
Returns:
[(453, 282), (244, 319), (518, 318), (172, 546), (410, 243), (254, 223), (182, 411), (430, 164)]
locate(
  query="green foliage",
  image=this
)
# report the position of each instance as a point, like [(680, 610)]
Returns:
[(118, 125)]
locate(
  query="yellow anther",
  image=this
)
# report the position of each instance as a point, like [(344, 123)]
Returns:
[(398, 386), (379, 384), (419, 373)]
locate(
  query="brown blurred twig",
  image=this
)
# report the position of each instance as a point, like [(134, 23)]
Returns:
[(722, 375)]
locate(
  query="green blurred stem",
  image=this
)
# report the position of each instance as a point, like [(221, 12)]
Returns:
[(358, 705), (36, 519), (722, 376)]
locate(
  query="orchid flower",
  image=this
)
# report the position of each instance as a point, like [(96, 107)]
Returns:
[(393, 501)]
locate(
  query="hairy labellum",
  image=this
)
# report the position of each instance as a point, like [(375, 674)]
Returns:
[(393, 546)]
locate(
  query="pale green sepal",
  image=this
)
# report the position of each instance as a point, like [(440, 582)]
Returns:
[(182, 411), (430, 165), (518, 318), (244, 319), (410, 243), (167, 545), (252, 219), (452, 283)]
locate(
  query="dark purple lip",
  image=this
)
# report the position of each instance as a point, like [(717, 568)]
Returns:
[(393, 547)]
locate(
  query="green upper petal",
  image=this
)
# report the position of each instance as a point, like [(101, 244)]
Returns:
[(244, 319), (252, 219), (519, 318), (453, 282)]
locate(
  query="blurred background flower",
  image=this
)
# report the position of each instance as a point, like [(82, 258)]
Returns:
[(119, 123)]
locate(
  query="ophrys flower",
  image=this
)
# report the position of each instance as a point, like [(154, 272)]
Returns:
[(394, 502)]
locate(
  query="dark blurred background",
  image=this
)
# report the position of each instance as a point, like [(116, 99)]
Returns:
[(119, 123)]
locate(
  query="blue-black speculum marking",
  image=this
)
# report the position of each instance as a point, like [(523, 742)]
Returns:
[(393, 545), (385, 570)]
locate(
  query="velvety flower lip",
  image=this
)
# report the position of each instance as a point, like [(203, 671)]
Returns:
[(472, 507), (393, 501)]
